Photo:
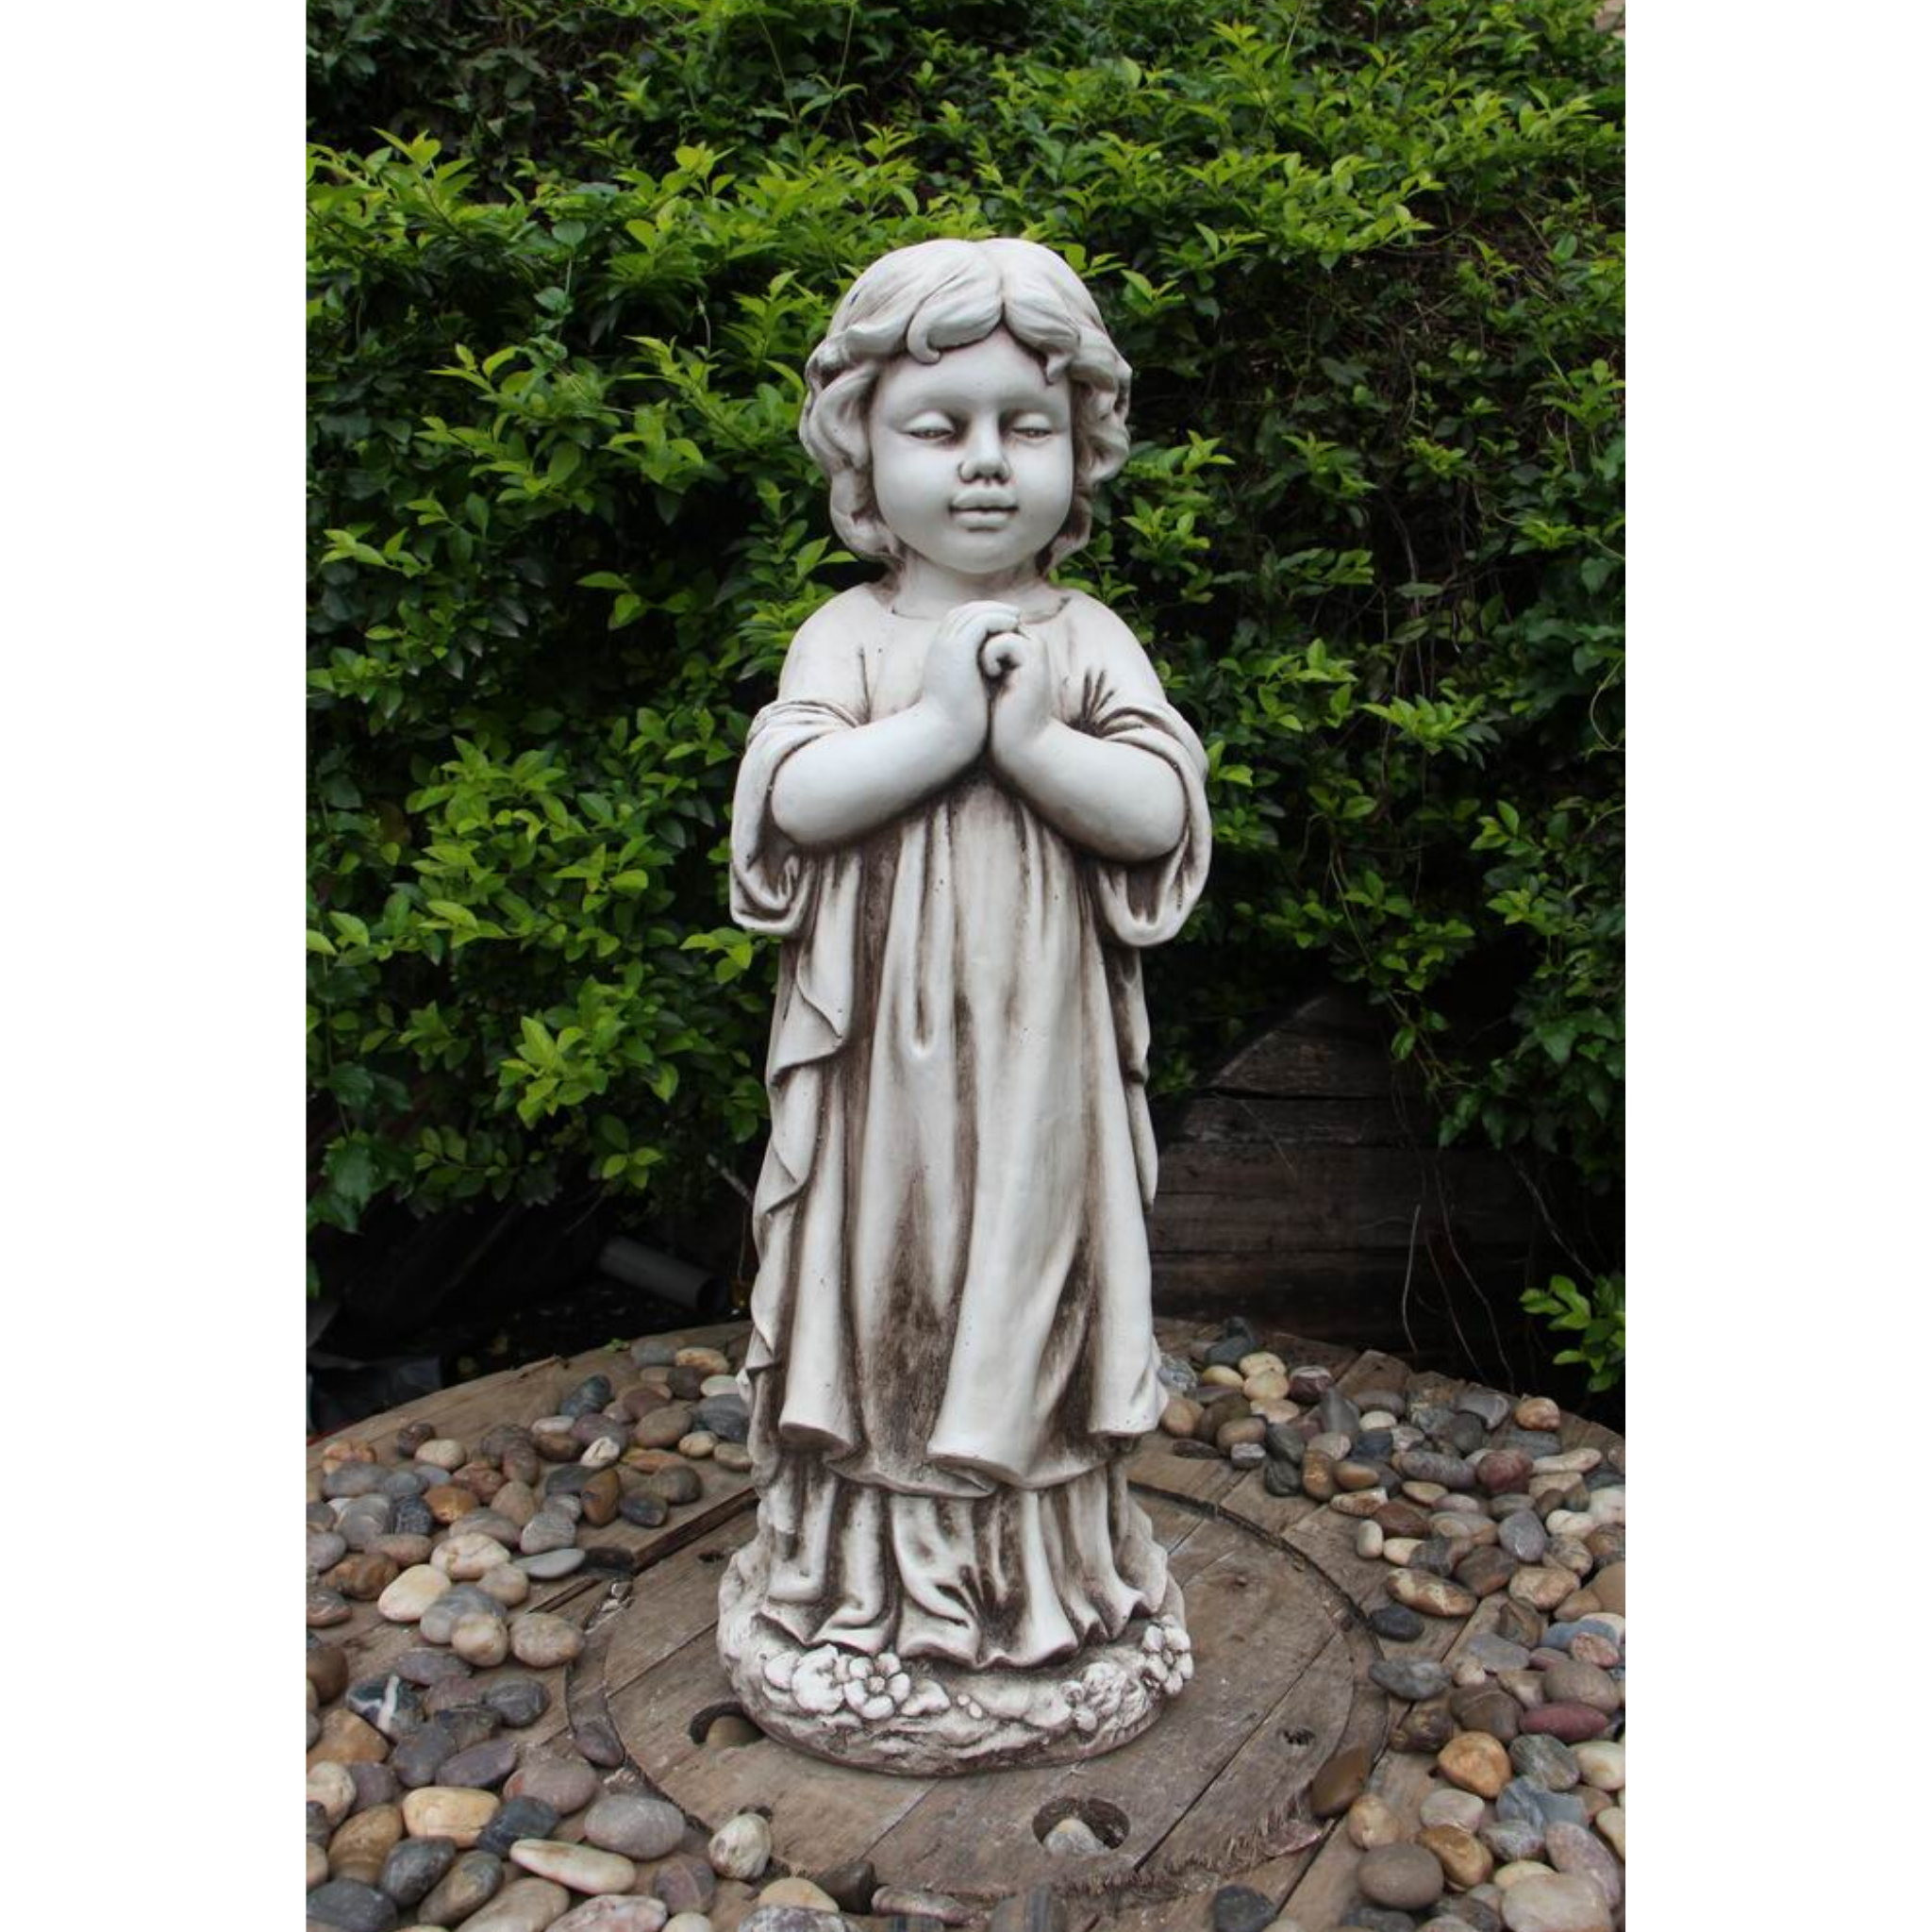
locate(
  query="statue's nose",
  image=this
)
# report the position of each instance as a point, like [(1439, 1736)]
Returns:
[(983, 455)]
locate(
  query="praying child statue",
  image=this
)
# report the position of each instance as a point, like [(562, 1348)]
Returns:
[(967, 811)]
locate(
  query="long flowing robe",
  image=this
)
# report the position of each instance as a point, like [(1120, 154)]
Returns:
[(952, 1342)]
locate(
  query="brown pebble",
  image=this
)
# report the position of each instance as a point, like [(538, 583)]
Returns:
[(1490, 1709), (347, 1739), (482, 1480), (326, 1607), (1399, 1518), (1339, 1782), (1475, 1761), (446, 1502), (1426, 1728), (683, 1882), (328, 1670), (1486, 1570), (662, 1427), (363, 1842), (1464, 1858), (1606, 1586), (600, 1497), (364, 1576)]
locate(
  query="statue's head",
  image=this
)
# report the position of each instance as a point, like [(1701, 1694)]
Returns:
[(934, 296)]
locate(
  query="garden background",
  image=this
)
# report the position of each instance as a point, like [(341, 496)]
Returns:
[(567, 264)]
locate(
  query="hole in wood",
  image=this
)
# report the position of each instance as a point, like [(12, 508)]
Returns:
[(723, 1726), (1107, 1823), (1299, 1735), (712, 1555)]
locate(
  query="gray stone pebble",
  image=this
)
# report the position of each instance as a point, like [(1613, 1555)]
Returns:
[(1337, 1415), (1531, 1802), (1396, 1621), (1390, 1401), (633, 1824), (353, 1907), (1458, 1913), (1413, 1678), (727, 1417), (1240, 1907), (482, 1767), (391, 1704), (645, 1511), (1522, 1533), (418, 1760), (375, 1784), (1428, 1466), (1546, 1761), (568, 1783), (549, 1529), (470, 1883), (1496, 1653), (326, 1549), (1487, 1405), (550, 1564), (426, 1666), (413, 1518), (452, 1606), (1511, 1839), (416, 1867), (353, 1479), (516, 1700), (677, 1484), (592, 1392), (517, 1818), (1463, 1433)]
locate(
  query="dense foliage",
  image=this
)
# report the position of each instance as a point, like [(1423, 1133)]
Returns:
[(567, 264)]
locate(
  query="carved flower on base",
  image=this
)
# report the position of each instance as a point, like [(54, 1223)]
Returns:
[(1167, 1656)]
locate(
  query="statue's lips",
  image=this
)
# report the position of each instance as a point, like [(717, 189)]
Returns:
[(985, 512)]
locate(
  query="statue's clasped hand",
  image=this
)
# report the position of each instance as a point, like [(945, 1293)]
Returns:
[(1021, 680)]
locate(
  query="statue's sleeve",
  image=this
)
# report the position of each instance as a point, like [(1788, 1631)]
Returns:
[(809, 899), (1145, 903)]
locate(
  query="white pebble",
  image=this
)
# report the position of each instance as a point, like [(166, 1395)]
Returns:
[(741, 1847), (331, 1786)]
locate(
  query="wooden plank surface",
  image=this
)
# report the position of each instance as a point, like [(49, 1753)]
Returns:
[(1201, 1797)]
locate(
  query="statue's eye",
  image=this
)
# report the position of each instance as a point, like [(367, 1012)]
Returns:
[(931, 432)]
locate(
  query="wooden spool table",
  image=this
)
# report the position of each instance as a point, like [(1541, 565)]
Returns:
[(1213, 1794)]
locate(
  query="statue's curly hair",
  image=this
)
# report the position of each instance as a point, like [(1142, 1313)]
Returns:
[(932, 296)]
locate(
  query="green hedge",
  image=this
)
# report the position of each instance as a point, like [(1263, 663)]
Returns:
[(567, 265)]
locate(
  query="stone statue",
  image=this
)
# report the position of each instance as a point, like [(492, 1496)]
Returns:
[(968, 809)]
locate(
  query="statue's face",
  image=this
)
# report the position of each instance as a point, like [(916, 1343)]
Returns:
[(973, 456)]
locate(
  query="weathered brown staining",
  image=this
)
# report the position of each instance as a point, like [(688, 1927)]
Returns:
[(966, 813)]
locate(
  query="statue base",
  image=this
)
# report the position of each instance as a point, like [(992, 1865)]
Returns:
[(927, 1717)]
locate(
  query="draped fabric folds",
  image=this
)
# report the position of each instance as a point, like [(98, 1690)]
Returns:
[(952, 1337)]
